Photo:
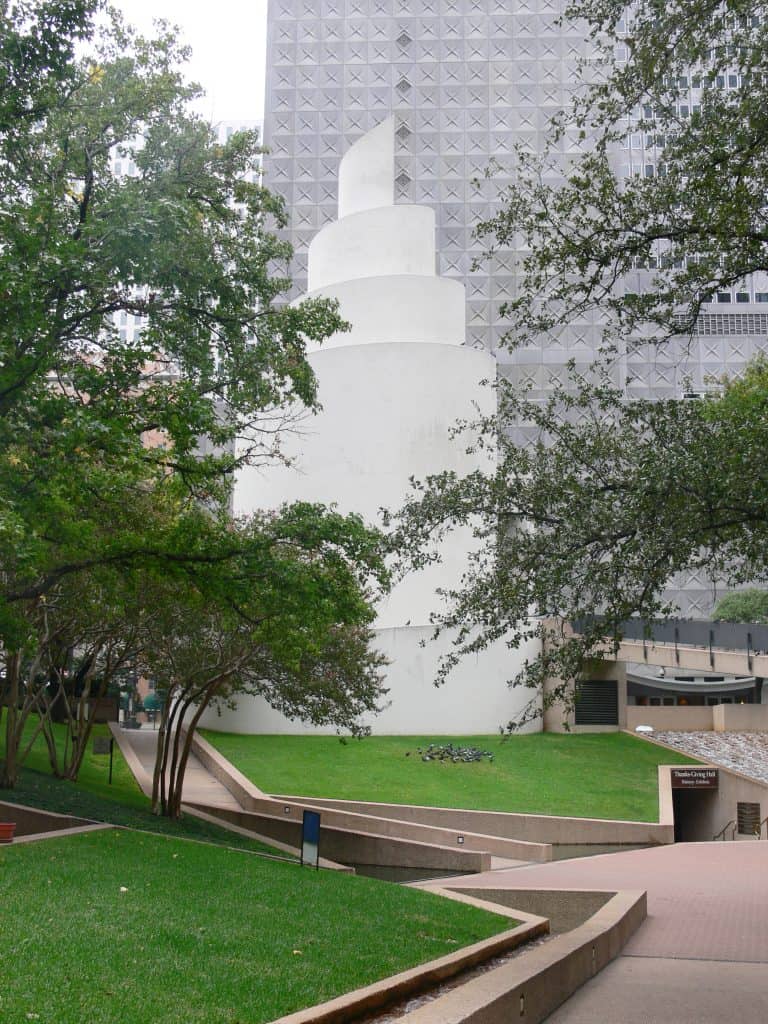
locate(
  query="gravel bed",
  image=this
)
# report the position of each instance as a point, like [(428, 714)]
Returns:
[(745, 752)]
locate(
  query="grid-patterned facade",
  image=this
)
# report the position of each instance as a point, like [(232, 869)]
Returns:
[(466, 81)]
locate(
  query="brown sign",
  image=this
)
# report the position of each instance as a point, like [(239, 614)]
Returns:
[(695, 778), (102, 744)]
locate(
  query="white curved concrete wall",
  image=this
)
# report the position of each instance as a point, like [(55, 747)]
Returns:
[(387, 415), (367, 171), (476, 699), (387, 241), (398, 309), (392, 390)]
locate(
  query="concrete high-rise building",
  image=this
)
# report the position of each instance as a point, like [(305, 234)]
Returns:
[(467, 80)]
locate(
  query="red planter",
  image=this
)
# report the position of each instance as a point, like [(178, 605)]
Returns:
[(7, 831)]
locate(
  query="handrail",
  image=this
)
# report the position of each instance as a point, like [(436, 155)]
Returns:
[(759, 828), (724, 829)]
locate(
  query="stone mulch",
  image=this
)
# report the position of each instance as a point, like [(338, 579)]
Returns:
[(745, 752)]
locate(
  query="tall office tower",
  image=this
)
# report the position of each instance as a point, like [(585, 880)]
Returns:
[(466, 80)]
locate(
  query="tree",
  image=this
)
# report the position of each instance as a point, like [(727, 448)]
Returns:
[(586, 525), (81, 636), (648, 250), (749, 605), (288, 619), (613, 499), (101, 465), (183, 245)]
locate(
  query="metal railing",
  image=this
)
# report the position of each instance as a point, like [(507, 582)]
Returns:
[(748, 637), (721, 834), (759, 829)]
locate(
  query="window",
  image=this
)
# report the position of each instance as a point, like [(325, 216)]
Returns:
[(723, 296), (761, 296), (742, 296)]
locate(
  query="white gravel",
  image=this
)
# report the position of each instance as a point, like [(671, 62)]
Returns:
[(745, 752)]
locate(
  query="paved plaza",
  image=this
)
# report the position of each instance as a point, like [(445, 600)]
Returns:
[(702, 954)]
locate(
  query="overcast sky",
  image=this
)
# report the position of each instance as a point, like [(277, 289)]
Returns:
[(228, 40)]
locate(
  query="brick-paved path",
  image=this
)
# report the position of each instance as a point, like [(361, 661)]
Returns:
[(702, 954)]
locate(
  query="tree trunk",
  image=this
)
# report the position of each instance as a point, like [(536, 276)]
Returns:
[(158, 789), (9, 775), (174, 798)]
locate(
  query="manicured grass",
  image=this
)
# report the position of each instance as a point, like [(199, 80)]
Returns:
[(202, 933), (122, 803), (601, 775)]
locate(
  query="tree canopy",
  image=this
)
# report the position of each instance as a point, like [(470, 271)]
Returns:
[(614, 495), (749, 605), (182, 245), (118, 448), (645, 246)]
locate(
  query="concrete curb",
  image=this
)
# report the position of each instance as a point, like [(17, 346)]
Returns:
[(426, 976), (527, 988), (531, 831), (531, 987), (143, 778), (75, 830), (37, 823)]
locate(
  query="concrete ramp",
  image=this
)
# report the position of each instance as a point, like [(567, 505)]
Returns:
[(139, 748)]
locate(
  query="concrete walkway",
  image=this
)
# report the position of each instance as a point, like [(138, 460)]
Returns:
[(701, 955), (199, 785)]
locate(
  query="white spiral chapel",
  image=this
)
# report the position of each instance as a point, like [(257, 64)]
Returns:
[(391, 389)]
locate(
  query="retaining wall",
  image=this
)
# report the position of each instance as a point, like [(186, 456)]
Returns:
[(531, 828)]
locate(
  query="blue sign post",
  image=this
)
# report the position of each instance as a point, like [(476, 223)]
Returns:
[(310, 839)]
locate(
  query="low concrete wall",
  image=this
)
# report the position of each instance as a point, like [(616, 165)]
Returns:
[(565, 909), (349, 847), (32, 821), (740, 717), (527, 988), (532, 828), (241, 788), (349, 817), (674, 719)]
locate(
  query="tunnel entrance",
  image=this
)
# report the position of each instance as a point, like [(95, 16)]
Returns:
[(694, 803)]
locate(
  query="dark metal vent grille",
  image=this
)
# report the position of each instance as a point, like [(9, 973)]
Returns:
[(748, 818), (597, 702)]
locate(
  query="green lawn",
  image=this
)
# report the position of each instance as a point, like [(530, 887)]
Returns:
[(202, 933), (91, 796), (599, 775)]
